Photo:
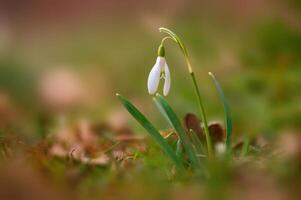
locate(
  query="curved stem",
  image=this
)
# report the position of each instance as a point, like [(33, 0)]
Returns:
[(165, 38), (195, 84)]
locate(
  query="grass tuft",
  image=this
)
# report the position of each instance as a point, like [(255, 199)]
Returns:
[(154, 133), (176, 124)]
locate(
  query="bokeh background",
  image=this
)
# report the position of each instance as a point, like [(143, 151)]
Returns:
[(70, 58)]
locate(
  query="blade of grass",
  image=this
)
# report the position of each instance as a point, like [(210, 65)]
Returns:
[(147, 125), (161, 110), (179, 151), (227, 110), (179, 129), (196, 142), (245, 147)]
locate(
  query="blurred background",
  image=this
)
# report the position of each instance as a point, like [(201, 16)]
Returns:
[(70, 58)]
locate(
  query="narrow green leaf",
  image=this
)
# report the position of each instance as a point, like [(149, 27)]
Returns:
[(245, 147), (146, 124), (176, 124), (227, 110), (161, 110), (179, 151), (196, 142)]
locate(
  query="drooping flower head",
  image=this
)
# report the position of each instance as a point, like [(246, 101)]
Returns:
[(159, 70)]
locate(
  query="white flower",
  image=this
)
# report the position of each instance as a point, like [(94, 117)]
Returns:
[(154, 76)]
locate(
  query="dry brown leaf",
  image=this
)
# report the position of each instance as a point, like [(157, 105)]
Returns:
[(192, 122), (82, 143), (217, 132)]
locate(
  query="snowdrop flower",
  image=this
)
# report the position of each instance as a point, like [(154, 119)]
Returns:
[(159, 70)]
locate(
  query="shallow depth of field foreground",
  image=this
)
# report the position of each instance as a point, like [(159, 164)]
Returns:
[(150, 100)]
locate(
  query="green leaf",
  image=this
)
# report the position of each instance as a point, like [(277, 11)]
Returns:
[(179, 129), (196, 142), (227, 111), (146, 124), (179, 151), (161, 110), (245, 147)]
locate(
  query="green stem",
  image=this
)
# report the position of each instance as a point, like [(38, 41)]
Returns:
[(196, 87), (203, 115)]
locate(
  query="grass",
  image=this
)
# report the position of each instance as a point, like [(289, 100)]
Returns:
[(228, 117), (150, 174), (176, 124), (151, 130)]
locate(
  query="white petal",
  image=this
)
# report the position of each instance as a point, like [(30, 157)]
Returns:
[(167, 80), (154, 75)]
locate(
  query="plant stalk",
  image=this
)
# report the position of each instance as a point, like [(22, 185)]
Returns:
[(203, 116), (175, 38)]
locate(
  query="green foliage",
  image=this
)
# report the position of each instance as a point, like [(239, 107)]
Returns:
[(198, 146), (143, 121), (228, 116), (176, 124)]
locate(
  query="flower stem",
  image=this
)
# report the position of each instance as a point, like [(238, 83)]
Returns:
[(203, 115), (195, 84)]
